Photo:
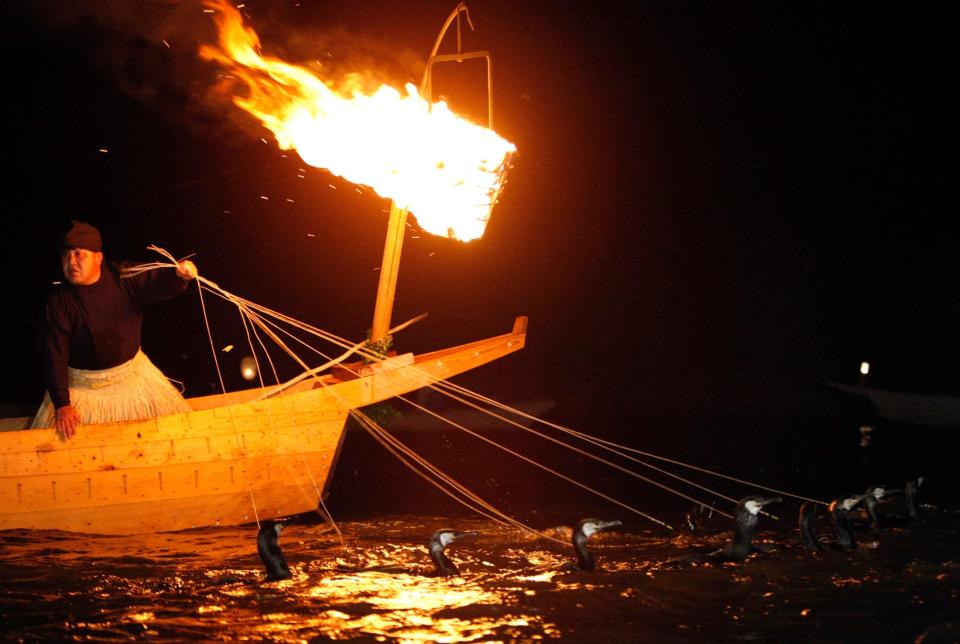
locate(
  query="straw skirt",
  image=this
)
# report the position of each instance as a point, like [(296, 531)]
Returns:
[(130, 391)]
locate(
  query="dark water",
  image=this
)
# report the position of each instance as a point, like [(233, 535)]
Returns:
[(372, 583)]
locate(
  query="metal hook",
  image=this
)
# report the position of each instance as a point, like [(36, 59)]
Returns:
[(462, 8)]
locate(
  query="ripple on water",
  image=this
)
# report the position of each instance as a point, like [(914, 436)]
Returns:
[(376, 583)]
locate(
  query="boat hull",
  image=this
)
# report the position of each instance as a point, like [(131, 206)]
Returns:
[(234, 459), (908, 408)]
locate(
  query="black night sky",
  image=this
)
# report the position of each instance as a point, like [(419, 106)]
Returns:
[(716, 206)]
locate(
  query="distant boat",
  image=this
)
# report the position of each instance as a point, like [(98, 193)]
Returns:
[(908, 408), (473, 419)]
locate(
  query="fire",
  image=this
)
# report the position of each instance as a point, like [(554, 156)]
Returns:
[(442, 168)]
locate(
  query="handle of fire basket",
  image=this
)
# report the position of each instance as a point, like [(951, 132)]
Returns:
[(426, 85)]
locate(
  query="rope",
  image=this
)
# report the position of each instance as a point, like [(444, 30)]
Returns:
[(258, 317), (587, 454), (246, 477), (544, 467), (608, 445), (399, 450), (359, 347), (213, 350)]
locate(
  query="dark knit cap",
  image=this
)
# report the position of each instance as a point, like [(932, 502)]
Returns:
[(82, 235)]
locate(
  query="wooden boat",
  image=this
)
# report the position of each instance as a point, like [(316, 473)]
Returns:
[(908, 408), (230, 460), (236, 456)]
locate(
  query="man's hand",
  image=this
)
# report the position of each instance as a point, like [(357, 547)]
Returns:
[(67, 421), (186, 270)]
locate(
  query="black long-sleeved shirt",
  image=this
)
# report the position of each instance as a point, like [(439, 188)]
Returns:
[(97, 326)]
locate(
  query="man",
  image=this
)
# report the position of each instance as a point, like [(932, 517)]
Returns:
[(89, 339)]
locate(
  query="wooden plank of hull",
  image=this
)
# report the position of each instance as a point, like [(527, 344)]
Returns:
[(210, 466), (174, 498)]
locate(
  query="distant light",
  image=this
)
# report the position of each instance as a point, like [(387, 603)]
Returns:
[(248, 368), (864, 368)]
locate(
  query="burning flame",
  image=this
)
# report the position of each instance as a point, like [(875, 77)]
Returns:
[(445, 170)]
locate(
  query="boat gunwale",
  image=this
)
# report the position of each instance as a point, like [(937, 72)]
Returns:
[(247, 396)]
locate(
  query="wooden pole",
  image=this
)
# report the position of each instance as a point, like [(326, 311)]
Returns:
[(389, 268)]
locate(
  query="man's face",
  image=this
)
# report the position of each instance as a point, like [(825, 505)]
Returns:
[(81, 267)]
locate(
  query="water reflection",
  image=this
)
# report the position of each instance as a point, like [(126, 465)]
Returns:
[(405, 607), (407, 603), (866, 435)]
